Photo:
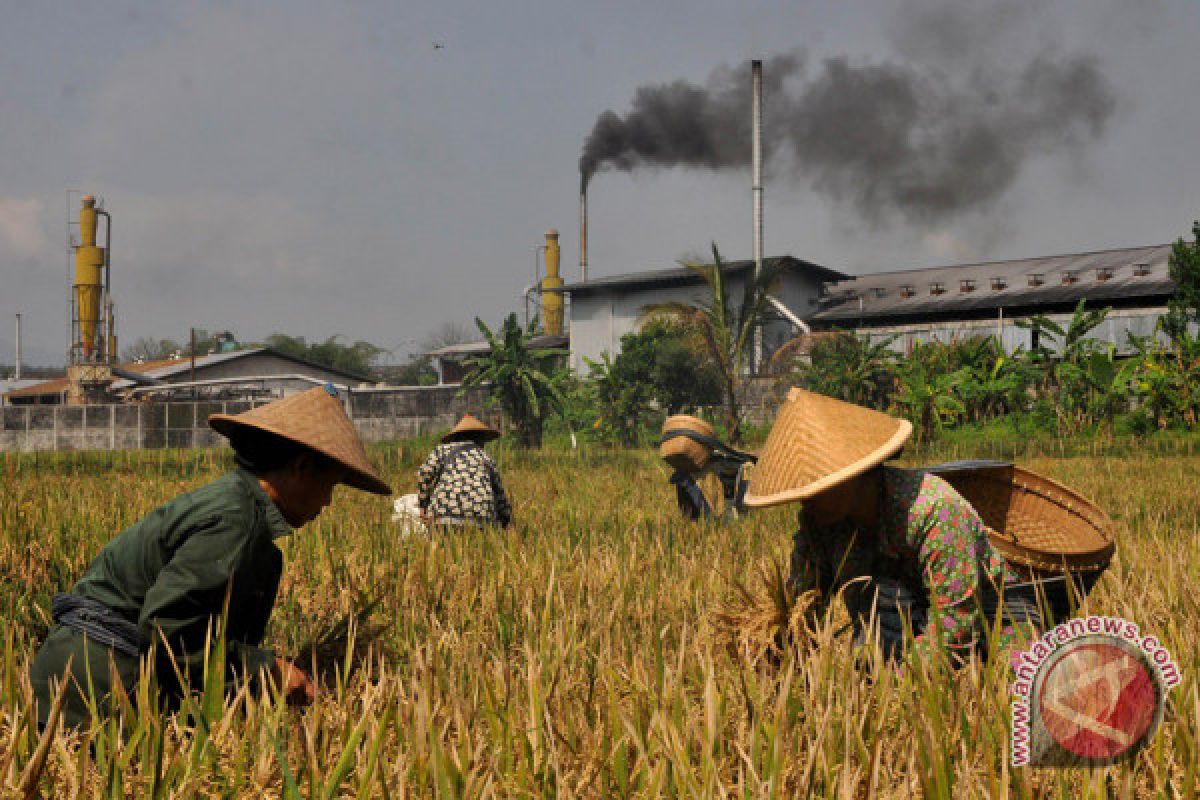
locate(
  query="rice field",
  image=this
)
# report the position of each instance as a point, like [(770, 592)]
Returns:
[(585, 652)]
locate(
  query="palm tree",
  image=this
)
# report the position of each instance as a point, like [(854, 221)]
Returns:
[(726, 330), (521, 380)]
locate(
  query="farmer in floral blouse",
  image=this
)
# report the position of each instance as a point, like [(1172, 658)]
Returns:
[(459, 484), (902, 543)]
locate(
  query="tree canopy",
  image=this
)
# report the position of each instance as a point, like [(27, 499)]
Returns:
[(1184, 268)]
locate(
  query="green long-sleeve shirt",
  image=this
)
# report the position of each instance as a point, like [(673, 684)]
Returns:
[(170, 573)]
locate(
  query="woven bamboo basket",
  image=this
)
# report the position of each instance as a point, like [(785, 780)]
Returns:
[(683, 453), (1038, 523)]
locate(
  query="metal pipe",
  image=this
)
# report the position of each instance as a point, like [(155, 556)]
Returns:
[(787, 314), (137, 377), (17, 368), (537, 280), (583, 234), (528, 290), (294, 376), (757, 191), (109, 343)]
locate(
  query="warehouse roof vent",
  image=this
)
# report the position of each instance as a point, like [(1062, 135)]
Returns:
[(937, 287), (999, 282), (1104, 273), (1069, 277), (907, 290), (966, 285), (1141, 269), (1036, 279)]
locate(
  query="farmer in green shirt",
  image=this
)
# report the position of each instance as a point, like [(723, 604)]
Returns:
[(161, 586)]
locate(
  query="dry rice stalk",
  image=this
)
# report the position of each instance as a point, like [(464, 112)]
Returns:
[(353, 635), (763, 621)]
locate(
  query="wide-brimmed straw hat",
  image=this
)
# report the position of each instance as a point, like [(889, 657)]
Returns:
[(818, 442), (315, 419), (471, 428)]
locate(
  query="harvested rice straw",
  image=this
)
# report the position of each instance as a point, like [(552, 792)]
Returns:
[(346, 643), (761, 622)]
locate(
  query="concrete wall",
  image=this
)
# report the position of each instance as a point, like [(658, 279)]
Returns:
[(378, 416)]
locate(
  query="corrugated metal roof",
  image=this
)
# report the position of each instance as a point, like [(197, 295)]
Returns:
[(683, 275), (1064, 279), (163, 369), (181, 366), (12, 385), (59, 385), (172, 367), (477, 348)]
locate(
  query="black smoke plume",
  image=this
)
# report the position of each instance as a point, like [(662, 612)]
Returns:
[(921, 139)]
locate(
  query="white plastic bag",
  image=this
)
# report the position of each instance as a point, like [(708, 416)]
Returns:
[(408, 514)]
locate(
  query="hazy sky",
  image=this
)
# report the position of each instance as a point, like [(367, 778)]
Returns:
[(322, 168)]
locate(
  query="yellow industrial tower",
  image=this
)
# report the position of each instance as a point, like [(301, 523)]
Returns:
[(93, 332), (552, 296)]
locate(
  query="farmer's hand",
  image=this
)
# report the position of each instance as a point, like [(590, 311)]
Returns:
[(298, 690)]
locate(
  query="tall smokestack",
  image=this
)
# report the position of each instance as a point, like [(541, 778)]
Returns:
[(757, 189), (583, 264), (17, 370)]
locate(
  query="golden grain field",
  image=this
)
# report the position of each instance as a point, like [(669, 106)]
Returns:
[(573, 655)]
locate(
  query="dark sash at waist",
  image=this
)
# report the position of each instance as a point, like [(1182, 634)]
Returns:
[(97, 622)]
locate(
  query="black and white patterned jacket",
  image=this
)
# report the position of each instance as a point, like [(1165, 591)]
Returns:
[(460, 481)]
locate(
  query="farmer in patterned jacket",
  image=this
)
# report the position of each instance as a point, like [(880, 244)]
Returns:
[(459, 484), (901, 546)]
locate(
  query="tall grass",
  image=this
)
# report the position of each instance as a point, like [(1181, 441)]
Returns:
[(577, 654)]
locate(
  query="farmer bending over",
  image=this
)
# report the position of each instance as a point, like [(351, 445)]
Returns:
[(919, 550), (459, 484), (161, 585)]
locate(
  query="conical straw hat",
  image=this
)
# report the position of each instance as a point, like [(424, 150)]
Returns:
[(314, 419), (818, 442), (471, 428)]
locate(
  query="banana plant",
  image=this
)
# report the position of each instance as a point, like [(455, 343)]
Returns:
[(522, 381), (852, 368), (930, 397)]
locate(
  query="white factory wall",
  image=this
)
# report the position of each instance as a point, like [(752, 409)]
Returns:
[(1114, 330), (600, 318)]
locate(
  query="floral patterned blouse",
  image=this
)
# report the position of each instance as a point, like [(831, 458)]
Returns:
[(460, 480), (930, 539)]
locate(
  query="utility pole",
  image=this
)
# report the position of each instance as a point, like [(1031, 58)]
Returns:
[(17, 368), (757, 191), (192, 350)]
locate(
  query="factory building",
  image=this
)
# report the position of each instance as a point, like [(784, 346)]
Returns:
[(986, 299), (605, 309), (240, 374)]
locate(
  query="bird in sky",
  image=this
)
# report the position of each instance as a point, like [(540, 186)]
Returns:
[(438, 45)]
